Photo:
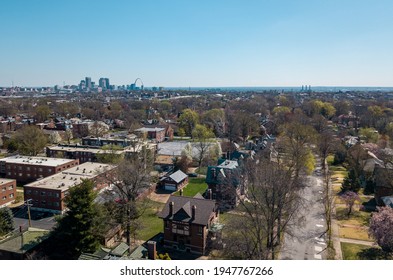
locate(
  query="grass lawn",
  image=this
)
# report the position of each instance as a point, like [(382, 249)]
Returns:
[(357, 218), (195, 185), (336, 188), (350, 251), (150, 224), (201, 170), (337, 168), (354, 233)]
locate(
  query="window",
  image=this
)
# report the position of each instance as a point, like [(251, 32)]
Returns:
[(49, 170), (28, 191), (11, 195), (56, 204), (36, 192), (11, 187), (43, 202), (19, 167), (43, 193), (28, 174), (49, 194), (4, 198), (40, 169), (166, 224), (4, 189), (20, 174), (57, 195), (28, 168), (200, 230), (9, 173)]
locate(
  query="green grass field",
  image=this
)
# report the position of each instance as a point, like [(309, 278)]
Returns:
[(195, 185), (149, 223), (350, 251)]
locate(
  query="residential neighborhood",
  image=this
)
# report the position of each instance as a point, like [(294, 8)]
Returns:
[(292, 175)]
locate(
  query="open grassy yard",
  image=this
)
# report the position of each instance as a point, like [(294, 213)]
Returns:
[(357, 218), (350, 251), (354, 233), (150, 224), (195, 185)]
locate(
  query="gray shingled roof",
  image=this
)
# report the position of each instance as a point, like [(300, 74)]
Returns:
[(178, 176), (182, 209)]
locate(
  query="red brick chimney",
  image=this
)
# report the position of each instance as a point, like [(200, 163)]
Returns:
[(193, 210), (209, 194), (151, 250), (171, 204)]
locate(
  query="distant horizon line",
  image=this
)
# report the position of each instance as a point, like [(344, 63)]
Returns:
[(218, 87)]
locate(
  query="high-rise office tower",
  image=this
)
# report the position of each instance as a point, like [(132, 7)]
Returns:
[(101, 83), (88, 82)]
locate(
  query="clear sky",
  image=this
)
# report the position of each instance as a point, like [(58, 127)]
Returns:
[(197, 42)]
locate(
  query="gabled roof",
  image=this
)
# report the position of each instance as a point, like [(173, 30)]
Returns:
[(178, 176), (182, 210)]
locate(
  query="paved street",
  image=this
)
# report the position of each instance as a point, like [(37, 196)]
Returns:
[(39, 220), (308, 242)]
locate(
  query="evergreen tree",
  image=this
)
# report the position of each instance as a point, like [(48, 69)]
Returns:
[(6, 221), (77, 231)]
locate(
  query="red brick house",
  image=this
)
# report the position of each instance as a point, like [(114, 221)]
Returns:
[(187, 222), (48, 194), (28, 169), (7, 191)]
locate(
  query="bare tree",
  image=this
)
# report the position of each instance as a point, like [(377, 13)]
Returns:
[(129, 180), (269, 209)]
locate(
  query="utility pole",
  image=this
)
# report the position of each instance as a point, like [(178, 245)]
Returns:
[(28, 203)]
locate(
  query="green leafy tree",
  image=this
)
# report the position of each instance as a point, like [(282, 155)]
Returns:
[(370, 134), (77, 231), (110, 154), (42, 112), (188, 120), (6, 221), (29, 141)]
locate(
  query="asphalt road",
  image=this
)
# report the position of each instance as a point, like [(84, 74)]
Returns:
[(39, 220), (307, 241)]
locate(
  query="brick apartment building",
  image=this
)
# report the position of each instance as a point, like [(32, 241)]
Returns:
[(187, 222), (48, 194), (81, 153), (102, 141), (27, 169), (153, 133), (7, 191)]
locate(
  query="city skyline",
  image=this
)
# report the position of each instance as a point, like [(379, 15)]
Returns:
[(197, 43)]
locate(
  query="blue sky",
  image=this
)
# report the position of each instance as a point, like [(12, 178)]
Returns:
[(198, 42)]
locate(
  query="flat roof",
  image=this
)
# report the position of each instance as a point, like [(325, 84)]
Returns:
[(43, 161), (71, 177), (81, 149), (5, 181), (150, 129)]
